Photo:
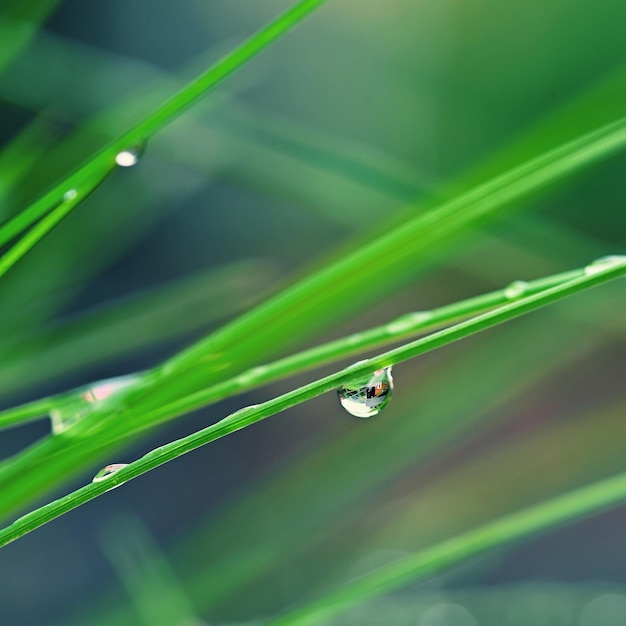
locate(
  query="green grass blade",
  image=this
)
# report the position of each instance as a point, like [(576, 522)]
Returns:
[(298, 310), (19, 21), (18, 157), (163, 115), (595, 274), (26, 412), (157, 316), (145, 573), (576, 504), (65, 205), (401, 328), (43, 466)]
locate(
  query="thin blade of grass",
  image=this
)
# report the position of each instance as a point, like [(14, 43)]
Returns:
[(163, 115), (54, 457), (250, 415)]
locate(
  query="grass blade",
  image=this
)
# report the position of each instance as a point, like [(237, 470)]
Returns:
[(66, 203), (595, 274), (401, 328), (298, 310), (163, 115)]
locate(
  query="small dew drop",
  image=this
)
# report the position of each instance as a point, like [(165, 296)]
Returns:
[(70, 194), (244, 409), (129, 156), (604, 263), (108, 471), (515, 290), (367, 397)]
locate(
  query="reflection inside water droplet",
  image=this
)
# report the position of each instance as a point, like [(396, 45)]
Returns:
[(108, 471), (516, 289), (604, 263), (70, 194), (367, 397), (76, 405), (129, 156)]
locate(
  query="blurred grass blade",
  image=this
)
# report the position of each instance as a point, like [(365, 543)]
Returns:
[(163, 115), (578, 503), (350, 160), (399, 329), (62, 457), (156, 317), (157, 595), (303, 308), (19, 21), (18, 156), (26, 412), (595, 274)]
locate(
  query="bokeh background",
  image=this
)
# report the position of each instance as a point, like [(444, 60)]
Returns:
[(344, 128)]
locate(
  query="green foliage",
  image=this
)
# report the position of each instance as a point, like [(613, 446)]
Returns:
[(463, 227)]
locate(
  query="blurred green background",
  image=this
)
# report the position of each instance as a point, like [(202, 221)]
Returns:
[(344, 128)]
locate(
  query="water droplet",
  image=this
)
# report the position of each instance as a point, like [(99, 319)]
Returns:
[(108, 471), (70, 194), (516, 289), (129, 156), (74, 406), (233, 417), (604, 263), (367, 397), (408, 322)]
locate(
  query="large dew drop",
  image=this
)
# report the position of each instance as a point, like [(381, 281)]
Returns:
[(108, 471), (76, 405), (367, 397)]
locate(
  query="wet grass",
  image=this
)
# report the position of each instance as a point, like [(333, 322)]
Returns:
[(265, 344)]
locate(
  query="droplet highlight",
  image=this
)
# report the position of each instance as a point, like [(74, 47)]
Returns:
[(604, 263), (252, 375), (76, 405), (129, 156), (70, 194), (108, 471), (516, 289), (409, 322), (367, 397)]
